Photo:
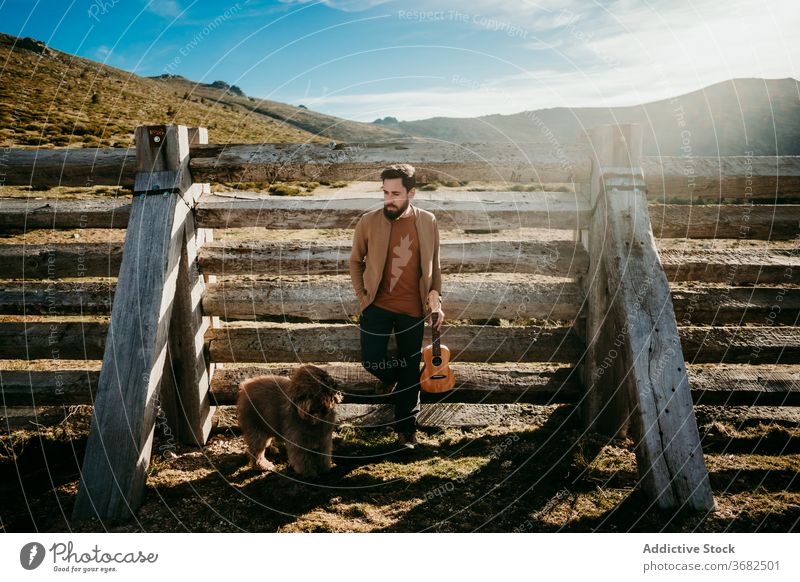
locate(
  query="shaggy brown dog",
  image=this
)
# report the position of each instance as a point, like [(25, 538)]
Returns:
[(299, 410)]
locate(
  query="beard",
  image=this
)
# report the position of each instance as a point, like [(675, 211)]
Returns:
[(392, 213)]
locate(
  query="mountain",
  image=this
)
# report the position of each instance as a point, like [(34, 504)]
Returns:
[(49, 98), (727, 118)]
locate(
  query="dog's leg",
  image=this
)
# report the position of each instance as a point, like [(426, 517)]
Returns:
[(256, 443), (302, 461), (324, 458)]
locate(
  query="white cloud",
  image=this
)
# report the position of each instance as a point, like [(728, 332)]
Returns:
[(166, 8), (343, 5)]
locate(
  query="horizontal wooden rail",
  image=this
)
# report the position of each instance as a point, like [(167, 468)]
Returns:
[(725, 384), (736, 305), (32, 213), (56, 261), (486, 299), (681, 179), (84, 340), (56, 298), (336, 299), (732, 265), (70, 167), (736, 221), (532, 162), (556, 210), (743, 345), (553, 258), (709, 178), (340, 343)]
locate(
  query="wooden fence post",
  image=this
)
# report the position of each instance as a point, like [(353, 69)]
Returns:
[(120, 442), (187, 375), (647, 379), (604, 408)]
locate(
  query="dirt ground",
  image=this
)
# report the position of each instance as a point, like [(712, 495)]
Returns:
[(540, 474)]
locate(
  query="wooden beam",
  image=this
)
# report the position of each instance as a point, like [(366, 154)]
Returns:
[(668, 451), (327, 299), (736, 305), (634, 367), (555, 210), (732, 265), (31, 213), (59, 261), (745, 385), (56, 298), (340, 343), (736, 221), (493, 384), (188, 371), (559, 258), (121, 437), (69, 167), (744, 345), (721, 384), (686, 180), (61, 340), (532, 162)]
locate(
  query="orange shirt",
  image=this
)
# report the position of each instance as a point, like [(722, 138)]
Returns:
[(399, 288)]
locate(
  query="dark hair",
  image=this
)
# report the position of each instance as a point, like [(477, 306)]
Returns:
[(404, 171)]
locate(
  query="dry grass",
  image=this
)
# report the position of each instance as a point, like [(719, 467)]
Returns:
[(545, 476)]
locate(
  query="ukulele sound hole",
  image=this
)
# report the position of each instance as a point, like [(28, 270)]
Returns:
[(436, 361)]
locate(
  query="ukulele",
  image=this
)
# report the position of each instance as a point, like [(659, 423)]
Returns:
[(436, 375)]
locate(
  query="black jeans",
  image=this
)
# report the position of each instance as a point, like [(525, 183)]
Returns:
[(376, 325)]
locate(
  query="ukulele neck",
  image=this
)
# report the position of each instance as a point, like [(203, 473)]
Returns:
[(437, 352)]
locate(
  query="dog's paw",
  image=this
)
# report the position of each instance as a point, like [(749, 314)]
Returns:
[(273, 450), (265, 465)]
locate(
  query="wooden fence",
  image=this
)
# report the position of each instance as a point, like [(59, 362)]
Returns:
[(619, 341)]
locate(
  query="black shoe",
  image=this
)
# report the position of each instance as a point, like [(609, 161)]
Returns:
[(385, 388), (407, 440)]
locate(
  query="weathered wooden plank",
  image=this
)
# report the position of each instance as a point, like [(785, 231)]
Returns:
[(48, 387), (715, 221), (335, 299), (69, 167), (82, 340), (494, 383), (121, 437), (733, 266), (556, 210), (720, 385), (532, 162), (744, 345), (560, 258), (679, 179), (188, 371), (745, 385), (56, 298), (668, 451), (479, 384), (340, 343), (55, 261), (738, 305), (31, 213)]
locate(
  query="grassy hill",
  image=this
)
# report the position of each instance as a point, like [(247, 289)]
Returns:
[(53, 99), (728, 118)]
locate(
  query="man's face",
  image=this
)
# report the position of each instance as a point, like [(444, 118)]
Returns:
[(395, 197)]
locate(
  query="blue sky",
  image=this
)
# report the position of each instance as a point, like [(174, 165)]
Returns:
[(363, 59)]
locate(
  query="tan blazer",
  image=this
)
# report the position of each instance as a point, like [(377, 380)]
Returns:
[(371, 245)]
